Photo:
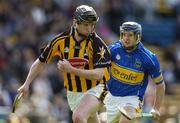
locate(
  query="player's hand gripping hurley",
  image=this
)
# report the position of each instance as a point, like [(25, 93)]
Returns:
[(135, 115)]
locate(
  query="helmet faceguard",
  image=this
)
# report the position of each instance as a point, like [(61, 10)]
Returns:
[(85, 13), (131, 27)]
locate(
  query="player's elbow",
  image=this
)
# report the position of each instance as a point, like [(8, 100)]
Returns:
[(98, 77), (161, 85), (160, 88)]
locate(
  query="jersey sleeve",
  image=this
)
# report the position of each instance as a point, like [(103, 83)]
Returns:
[(51, 50), (111, 50), (101, 54), (154, 70)]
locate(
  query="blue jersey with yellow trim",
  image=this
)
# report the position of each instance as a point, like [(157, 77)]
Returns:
[(130, 70)]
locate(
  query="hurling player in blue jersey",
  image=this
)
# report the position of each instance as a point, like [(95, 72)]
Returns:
[(131, 66)]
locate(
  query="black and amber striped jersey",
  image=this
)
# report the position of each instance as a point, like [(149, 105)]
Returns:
[(93, 49)]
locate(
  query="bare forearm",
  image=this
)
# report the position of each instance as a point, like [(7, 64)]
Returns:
[(160, 92), (35, 69), (94, 74)]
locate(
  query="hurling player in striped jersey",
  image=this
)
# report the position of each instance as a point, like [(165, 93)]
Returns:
[(85, 83)]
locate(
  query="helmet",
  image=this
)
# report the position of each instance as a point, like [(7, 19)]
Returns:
[(85, 13), (132, 27)]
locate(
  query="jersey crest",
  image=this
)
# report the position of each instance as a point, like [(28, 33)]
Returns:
[(118, 57), (101, 52)]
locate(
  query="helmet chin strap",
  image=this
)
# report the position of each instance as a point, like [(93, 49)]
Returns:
[(82, 35), (131, 47)]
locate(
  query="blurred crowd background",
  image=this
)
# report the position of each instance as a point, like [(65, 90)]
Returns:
[(27, 25)]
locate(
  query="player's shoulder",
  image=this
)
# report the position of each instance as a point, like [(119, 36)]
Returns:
[(115, 45), (147, 52), (63, 35), (53, 40), (97, 40), (94, 37)]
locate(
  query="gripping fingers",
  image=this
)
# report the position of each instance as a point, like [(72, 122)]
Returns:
[(23, 90), (156, 114), (60, 65)]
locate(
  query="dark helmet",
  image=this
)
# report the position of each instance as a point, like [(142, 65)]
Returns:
[(85, 13), (132, 27)]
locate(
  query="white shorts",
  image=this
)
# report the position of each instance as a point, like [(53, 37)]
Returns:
[(74, 98), (113, 103)]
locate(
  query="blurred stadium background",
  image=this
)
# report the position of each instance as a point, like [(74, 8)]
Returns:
[(25, 25)]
